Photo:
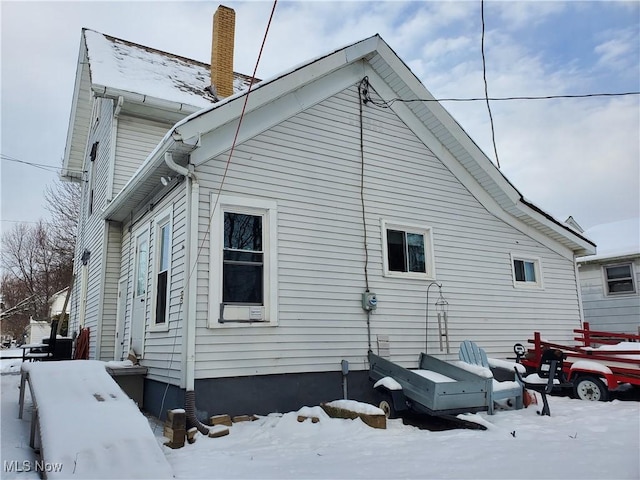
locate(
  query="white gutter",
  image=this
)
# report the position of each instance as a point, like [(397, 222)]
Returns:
[(191, 259), (140, 176), (141, 99)]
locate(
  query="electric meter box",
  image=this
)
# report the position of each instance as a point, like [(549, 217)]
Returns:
[(369, 301)]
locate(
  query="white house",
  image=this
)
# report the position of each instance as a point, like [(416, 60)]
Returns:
[(242, 278), (609, 280), (57, 303)]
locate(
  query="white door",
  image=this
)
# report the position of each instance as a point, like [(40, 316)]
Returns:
[(120, 318), (141, 281)]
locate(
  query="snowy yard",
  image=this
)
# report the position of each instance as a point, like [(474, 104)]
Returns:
[(581, 440)]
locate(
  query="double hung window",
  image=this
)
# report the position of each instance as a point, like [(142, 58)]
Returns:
[(243, 273), (162, 264)]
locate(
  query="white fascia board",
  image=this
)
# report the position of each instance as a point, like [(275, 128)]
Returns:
[(609, 257), (260, 119), (512, 196), (581, 246), (458, 170), (411, 81), (68, 172), (270, 90)]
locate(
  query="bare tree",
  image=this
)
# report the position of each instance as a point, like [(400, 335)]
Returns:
[(63, 203), (35, 267)]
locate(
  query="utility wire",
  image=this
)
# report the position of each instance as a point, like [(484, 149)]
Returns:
[(235, 138), (390, 102), (486, 86), (41, 166), (222, 181)]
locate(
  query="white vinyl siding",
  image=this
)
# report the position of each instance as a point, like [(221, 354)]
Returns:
[(617, 313), (136, 139), (310, 164), (92, 235), (163, 344)]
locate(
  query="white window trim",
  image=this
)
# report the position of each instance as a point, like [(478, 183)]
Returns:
[(252, 206), (164, 217), (605, 280), (427, 232), (537, 264)]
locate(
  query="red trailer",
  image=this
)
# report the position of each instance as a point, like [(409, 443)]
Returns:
[(599, 363)]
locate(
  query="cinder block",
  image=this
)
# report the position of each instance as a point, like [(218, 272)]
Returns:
[(220, 420)]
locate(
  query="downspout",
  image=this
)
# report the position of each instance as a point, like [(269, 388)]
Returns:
[(112, 153), (189, 323), (576, 271)]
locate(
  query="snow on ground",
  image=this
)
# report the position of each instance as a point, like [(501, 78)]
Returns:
[(581, 440)]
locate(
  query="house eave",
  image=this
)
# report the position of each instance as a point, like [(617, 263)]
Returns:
[(145, 183), (608, 258)]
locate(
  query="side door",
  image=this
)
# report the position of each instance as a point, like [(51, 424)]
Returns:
[(140, 288)]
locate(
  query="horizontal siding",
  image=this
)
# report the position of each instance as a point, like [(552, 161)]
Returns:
[(136, 138), (311, 165), (616, 313), (91, 227), (110, 300), (163, 350)]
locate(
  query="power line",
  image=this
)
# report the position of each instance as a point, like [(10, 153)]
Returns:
[(41, 166), (486, 86), (510, 98)]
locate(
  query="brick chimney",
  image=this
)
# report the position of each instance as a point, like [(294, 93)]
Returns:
[(224, 25)]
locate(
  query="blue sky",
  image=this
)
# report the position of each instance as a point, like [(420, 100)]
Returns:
[(569, 157)]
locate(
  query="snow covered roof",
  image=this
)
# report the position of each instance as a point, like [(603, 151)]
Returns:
[(152, 83), (614, 239), (130, 67)]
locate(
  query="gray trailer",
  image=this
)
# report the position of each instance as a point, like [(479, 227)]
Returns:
[(435, 388)]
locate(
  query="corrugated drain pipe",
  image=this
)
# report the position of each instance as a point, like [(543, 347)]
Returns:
[(190, 409), (190, 394)]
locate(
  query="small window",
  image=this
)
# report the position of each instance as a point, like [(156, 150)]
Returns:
[(619, 279), (92, 174), (407, 251), (526, 272)]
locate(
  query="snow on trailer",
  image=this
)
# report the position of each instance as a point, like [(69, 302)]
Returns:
[(435, 388), (600, 363), (83, 423)]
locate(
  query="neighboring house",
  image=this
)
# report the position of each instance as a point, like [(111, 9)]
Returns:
[(609, 281), (251, 295), (57, 303), (37, 331)]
